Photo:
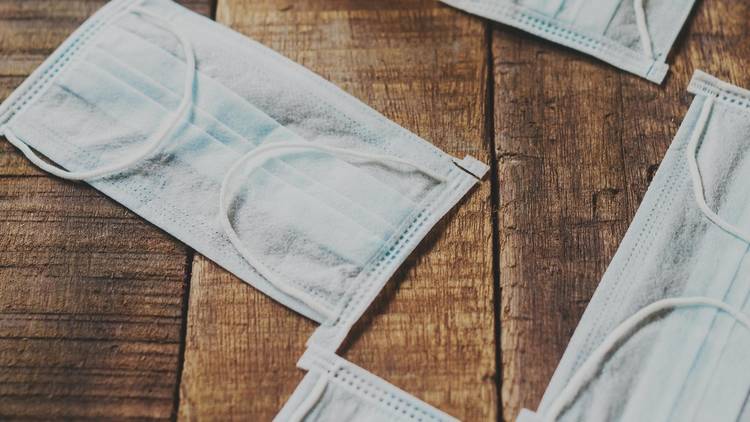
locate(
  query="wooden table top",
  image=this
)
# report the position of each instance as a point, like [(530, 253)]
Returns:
[(102, 315)]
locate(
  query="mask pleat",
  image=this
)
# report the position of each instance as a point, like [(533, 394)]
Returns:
[(726, 384), (593, 16), (324, 255), (169, 98), (304, 215), (547, 7), (314, 108), (302, 178), (380, 199)]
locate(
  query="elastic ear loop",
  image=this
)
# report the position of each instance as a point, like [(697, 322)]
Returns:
[(645, 36), (591, 366), (255, 159), (156, 139), (695, 174)]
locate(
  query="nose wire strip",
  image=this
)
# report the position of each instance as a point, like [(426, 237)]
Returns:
[(645, 36), (156, 139), (255, 159), (591, 366)]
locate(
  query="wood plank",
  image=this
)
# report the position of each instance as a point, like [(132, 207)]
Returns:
[(431, 332), (577, 144), (91, 297)]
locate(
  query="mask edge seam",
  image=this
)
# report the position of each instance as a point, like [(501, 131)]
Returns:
[(602, 48)]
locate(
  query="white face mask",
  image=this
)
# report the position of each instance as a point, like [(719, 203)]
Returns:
[(255, 162), (634, 35), (685, 252)]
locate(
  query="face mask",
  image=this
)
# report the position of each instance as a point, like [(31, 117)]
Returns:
[(686, 251), (634, 35), (336, 390), (255, 162)]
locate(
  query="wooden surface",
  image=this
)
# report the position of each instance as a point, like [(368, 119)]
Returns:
[(104, 316)]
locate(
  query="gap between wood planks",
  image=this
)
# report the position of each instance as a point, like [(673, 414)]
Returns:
[(189, 260), (495, 205)]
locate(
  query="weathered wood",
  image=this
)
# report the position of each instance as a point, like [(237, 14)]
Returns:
[(431, 333), (577, 143), (91, 297), (240, 351)]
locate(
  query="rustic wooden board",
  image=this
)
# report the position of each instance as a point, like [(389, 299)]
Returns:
[(431, 333), (577, 143), (91, 297)]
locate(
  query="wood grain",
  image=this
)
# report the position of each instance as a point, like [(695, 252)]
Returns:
[(431, 332), (577, 143), (91, 297)]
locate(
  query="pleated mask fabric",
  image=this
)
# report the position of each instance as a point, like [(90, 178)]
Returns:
[(254, 161), (633, 35), (337, 390), (666, 334)]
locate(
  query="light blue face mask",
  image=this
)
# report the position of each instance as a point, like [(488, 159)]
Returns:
[(634, 35), (336, 390), (687, 251), (254, 161), (257, 163)]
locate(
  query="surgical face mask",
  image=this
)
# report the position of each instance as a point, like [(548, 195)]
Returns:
[(634, 35), (254, 161), (336, 390), (666, 335)]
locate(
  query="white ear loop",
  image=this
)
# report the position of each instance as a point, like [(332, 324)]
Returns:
[(155, 140), (590, 367), (695, 174), (255, 159), (645, 36)]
